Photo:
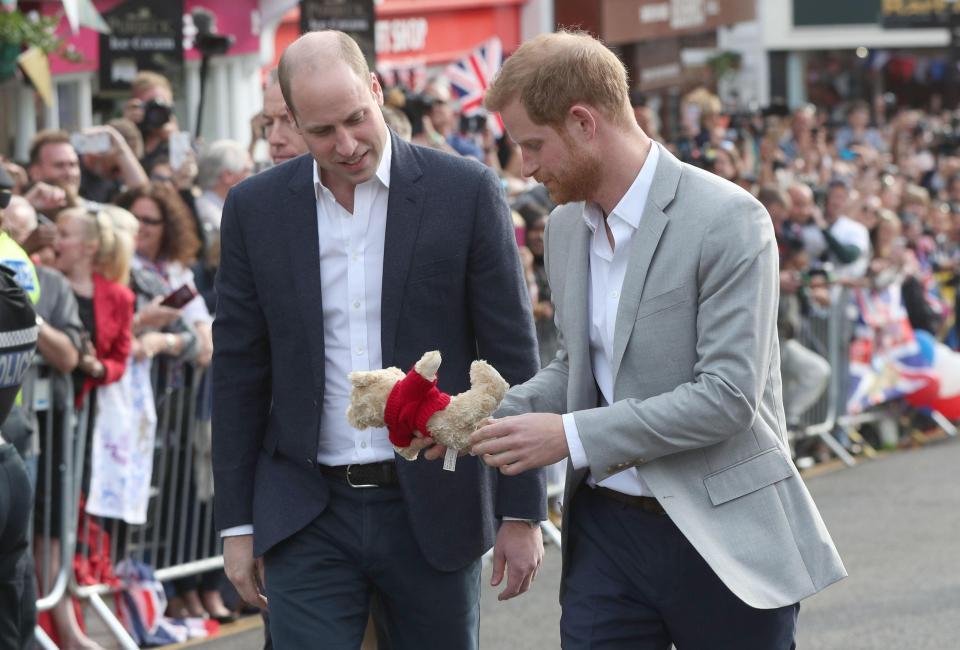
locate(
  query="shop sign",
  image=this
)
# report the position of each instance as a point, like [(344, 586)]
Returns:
[(402, 35), (897, 14), (355, 17), (631, 21), (145, 35)]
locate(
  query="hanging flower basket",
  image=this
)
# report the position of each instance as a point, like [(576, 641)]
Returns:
[(19, 31)]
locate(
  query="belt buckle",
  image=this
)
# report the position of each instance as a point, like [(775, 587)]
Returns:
[(358, 485)]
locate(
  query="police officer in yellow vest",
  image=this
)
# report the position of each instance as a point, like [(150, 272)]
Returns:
[(18, 339)]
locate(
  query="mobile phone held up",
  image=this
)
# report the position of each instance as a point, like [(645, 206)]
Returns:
[(180, 297), (91, 143)]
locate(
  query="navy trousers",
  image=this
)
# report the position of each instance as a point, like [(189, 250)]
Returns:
[(636, 582), (319, 581)]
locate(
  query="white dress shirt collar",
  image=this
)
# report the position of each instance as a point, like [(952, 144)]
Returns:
[(383, 171), (630, 207)]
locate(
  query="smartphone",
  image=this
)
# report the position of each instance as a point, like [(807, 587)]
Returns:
[(179, 148), (179, 297), (92, 143)]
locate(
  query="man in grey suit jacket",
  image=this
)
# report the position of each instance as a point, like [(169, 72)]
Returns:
[(685, 520)]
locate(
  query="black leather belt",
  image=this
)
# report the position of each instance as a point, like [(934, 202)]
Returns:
[(647, 504), (364, 476)]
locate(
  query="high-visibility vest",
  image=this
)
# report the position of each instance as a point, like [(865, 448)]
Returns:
[(14, 257)]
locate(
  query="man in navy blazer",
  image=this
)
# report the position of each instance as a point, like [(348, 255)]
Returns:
[(364, 254)]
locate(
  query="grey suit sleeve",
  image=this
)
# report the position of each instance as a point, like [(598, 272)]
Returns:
[(503, 323), (546, 392), (736, 335)]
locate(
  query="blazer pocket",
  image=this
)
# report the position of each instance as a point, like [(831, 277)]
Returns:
[(759, 471), (662, 301), (434, 268)]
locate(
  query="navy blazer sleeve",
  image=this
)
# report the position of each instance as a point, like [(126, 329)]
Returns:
[(241, 375), (503, 321)]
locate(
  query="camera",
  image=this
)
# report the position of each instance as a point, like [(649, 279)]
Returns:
[(476, 123), (155, 115), (415, 106)]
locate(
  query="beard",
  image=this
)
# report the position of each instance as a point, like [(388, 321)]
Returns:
[(577, 180)]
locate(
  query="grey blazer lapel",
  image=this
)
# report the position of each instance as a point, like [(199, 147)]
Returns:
[(404, 209), (642, 249), (303, 242), (576, 315)]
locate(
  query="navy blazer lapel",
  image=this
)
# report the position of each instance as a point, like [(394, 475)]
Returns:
[(303, 242), (404, 209)]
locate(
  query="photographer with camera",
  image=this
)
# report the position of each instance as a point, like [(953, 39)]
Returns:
[(150, 107)]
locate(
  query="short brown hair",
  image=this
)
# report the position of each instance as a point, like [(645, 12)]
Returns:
[(145, 80), (42, 139), (180, 242), (349, 52), (552, 72), (773, 195)]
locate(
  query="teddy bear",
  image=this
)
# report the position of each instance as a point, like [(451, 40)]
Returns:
[(411, 405)]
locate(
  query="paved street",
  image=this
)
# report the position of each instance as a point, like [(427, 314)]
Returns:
[(896, 521)]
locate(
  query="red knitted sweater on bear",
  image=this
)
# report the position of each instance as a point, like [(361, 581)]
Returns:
[(412, 401)]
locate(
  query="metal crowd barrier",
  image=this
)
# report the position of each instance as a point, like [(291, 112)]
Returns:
[(178, 539), (828, 334), (48, 399)]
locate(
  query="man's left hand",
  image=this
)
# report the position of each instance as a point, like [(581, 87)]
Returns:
[(519, 548), (521, 442)]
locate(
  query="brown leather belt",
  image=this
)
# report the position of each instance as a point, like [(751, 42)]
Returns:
[(647, 504), (370, 475)]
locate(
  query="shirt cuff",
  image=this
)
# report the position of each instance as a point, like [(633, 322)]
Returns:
[(246, 529), (578, 455)]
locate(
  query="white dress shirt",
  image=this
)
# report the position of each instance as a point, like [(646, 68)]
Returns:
[(351, 273), (608, 267)]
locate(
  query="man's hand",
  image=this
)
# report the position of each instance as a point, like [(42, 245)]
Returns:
[(521, 442), (421, 442), (519, 547), (42, 236), (46, 198), (243, 570)]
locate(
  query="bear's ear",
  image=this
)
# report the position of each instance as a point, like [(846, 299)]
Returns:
[(361, 379)]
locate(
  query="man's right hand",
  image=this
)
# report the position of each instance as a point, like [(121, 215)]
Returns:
[(243, 570), (46, 198)]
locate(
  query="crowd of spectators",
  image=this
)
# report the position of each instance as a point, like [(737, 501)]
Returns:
[(114, 219)]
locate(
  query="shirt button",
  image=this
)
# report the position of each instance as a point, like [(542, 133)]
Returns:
[(363, 445), (614, 294), (356, 304), (359, 350)]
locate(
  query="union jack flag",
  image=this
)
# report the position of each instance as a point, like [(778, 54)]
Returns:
[(472, 75)]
